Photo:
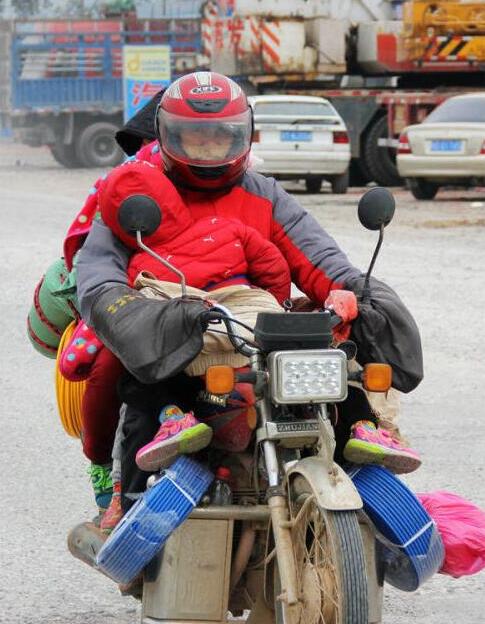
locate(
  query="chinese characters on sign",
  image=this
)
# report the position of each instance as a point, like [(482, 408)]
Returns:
[(146, 69)]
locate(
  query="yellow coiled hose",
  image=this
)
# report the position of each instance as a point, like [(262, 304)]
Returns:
[(69, 394)]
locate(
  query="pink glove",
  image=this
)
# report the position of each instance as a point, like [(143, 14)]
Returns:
[(344, 304), (78, 356)]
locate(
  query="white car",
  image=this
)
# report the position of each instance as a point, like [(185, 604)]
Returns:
[(301, 137), (448, 147)]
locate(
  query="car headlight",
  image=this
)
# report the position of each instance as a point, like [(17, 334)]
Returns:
[(315, 376)]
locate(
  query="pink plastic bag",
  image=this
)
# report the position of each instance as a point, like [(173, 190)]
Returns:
[(461, 525)]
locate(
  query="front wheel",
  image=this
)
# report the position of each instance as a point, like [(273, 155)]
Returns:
[(422, 189), (329, 554)]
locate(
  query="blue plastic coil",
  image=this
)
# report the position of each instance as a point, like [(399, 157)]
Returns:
[(146, 527), (410, 547)]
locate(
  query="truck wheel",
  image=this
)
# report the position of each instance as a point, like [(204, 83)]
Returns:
[(340, 183), (65, 155), (358, 174), (96, 145), (313, 185), (421, 188), (380, 161)]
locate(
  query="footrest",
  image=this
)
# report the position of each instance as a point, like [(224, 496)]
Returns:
[(84, 542)]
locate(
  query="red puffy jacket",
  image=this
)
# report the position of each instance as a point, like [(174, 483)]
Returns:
[(211, 252)]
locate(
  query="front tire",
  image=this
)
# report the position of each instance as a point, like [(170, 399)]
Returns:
[(330, 564), (421, 188)]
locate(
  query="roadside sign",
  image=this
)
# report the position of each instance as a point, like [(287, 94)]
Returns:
[(146, 69)]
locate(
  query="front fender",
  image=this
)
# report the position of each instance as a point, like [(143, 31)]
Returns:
[(333, 491)]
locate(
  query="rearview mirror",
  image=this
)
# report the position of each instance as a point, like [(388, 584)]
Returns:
[(376, 208), (139, 216), (139, 213)]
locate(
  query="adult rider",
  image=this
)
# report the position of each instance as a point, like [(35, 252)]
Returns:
[(204, 127)]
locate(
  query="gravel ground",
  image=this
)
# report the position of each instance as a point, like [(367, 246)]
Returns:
[(433, 256)]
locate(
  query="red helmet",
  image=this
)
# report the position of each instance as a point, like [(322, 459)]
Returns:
[(204, 125)]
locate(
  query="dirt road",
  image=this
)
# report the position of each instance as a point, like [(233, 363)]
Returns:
[(433, 255)]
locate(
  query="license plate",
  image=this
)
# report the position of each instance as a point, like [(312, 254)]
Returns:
[(296, 135), (446, 146)]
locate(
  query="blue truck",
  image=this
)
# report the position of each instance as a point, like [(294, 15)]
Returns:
[(65, 89)]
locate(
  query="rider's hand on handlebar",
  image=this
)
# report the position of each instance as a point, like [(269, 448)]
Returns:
[(344, 304)]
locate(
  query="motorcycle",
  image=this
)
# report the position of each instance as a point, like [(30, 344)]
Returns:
[(294, 546)]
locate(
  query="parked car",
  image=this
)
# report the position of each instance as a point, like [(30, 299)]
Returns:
[(448, 147), (301, 137)]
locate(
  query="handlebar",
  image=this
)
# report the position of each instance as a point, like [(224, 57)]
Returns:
[(334, 319), (221, 313)]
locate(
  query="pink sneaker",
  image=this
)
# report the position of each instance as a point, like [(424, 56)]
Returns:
[(179, 433), (371, 445)]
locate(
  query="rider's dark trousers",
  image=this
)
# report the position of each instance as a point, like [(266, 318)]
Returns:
[(141, 423), (145, 402), (356, 407)]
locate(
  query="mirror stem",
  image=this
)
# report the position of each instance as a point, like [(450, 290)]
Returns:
[(164, 262), (365, 296)]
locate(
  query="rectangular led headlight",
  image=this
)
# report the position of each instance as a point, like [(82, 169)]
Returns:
[(314, 376)]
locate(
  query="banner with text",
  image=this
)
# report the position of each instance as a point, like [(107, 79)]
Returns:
[(146, 70)]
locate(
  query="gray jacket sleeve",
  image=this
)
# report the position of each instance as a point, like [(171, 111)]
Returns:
[(316, 262), (102, 264), (153, 339)]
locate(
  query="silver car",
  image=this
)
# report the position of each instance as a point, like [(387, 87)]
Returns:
[(301, 137), (448, 147)]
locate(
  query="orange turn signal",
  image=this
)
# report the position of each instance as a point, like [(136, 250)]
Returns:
[(220, 379), (377, 377)]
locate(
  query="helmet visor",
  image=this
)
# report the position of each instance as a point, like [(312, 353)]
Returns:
[(205, 142)]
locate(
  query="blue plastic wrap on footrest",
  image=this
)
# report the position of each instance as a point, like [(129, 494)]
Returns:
[(151, 520), (409, 544)]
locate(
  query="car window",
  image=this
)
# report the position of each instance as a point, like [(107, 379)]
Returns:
[(294, 111), (459, 109)]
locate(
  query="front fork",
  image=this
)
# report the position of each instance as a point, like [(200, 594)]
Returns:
[(278, 505), (278, 501), (277, 495)]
